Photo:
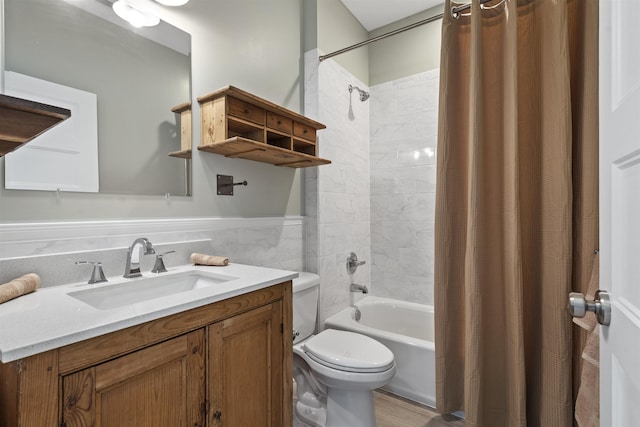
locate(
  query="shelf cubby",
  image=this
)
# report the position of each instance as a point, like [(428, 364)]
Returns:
[(184, 110), (238, 124)]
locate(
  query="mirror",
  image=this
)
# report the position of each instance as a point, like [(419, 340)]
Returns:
[(137, 75)]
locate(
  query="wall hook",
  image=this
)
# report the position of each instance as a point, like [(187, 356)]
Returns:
[(226, 184)]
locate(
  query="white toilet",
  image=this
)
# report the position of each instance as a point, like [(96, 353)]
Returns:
[(335, 371)]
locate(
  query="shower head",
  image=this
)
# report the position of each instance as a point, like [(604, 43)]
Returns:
[(364, 95)]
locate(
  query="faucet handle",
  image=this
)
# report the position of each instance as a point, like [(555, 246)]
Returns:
[(353, 263), (159, 267), (97, 275)]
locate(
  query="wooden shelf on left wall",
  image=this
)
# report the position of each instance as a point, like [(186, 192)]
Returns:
[(22, 120), (184, 110)]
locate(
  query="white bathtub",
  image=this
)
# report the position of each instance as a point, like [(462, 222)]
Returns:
[(406, 328)]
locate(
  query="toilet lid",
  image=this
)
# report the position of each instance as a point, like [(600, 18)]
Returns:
[(349, 351)]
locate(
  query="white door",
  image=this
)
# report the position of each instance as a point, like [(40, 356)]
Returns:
[(620, 210)]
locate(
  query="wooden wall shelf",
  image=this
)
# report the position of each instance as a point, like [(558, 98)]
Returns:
[(186, 154), (22, 120), (238, 124), (185, 131)]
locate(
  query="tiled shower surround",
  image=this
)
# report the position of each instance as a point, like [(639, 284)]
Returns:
[(377, 197), (403, 135), (337, 203)]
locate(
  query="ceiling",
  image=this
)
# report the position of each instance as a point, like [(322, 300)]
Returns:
[(374, 14)]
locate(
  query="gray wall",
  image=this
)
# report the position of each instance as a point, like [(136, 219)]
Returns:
[(407, 53), (252, 44), (330, 26), (337, 29)]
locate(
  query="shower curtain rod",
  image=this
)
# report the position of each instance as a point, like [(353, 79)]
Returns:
[(455, 10)]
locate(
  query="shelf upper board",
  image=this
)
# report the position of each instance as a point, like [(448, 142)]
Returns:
[(248, 97)]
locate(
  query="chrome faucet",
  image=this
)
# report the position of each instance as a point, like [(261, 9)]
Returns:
[(132, 267), (358, 288)]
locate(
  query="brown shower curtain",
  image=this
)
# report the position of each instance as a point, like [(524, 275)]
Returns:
[(516, 207)]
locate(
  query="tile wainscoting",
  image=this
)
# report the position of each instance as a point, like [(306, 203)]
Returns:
[(50, 249)]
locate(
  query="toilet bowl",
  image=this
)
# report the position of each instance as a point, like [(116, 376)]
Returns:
[(335, 371)]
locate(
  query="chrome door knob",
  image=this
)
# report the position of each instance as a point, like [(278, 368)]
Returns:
[(577, 304), (601, 306)]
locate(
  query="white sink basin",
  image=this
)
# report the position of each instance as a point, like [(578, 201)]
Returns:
[(106, 296)]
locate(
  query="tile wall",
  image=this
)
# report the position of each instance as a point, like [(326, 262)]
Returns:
[(337, 195), (377, 198), (404, 123), (50, 249)]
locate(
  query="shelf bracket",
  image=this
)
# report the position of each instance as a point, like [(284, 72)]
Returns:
[(226, 184)]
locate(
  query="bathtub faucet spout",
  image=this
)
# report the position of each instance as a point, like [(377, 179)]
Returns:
[(359, 288)]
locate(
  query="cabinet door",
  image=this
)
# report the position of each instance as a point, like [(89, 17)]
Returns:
[(245, 369), (161, 385)]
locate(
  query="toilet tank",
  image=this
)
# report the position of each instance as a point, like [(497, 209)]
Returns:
[(305, 304)]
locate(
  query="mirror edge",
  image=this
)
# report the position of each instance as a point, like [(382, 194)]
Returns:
[(1, 46)]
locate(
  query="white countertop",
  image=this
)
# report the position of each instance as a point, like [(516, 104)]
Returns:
[(49, 318)]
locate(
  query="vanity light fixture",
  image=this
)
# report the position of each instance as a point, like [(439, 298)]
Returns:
[(172, 2), (135, 17)]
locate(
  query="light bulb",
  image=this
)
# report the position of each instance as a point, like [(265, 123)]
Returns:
[(121, 8), (150, 20), (172, 2), (134, 16)]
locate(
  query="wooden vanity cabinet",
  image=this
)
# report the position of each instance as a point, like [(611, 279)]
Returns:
[(159, 385), (245, 369), (224, 364)]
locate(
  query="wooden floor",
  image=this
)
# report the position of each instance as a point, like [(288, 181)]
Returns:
[(392, 411)]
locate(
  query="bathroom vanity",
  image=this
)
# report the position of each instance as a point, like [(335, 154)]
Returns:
[(213, 356)]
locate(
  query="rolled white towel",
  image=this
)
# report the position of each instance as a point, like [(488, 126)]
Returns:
[(18, 287), (202, 259)]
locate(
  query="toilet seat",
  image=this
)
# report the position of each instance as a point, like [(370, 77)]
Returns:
[(349, 351)]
